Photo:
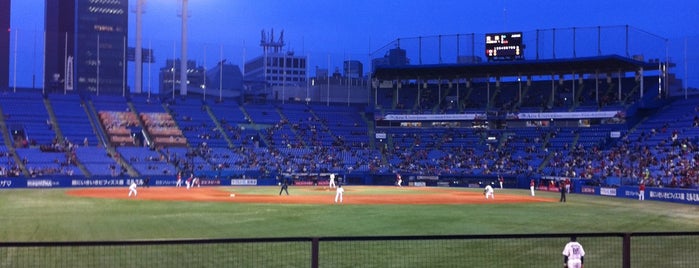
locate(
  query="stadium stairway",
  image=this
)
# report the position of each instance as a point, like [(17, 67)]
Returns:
[(549, 155), (297, 137), (253, 125), (91, 112), (141, 123), (218, 125), (60, 137), (52, 117), (10, 145), (371, 130), (94, 121), (5, 134)]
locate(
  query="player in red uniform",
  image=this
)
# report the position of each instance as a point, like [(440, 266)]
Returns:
[(642, 191)]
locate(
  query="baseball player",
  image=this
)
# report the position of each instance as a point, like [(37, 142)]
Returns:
[(531, 186), (642, 191), (501, 180), (195, 181), (132, 189), (573, 254), (338, 193), (332, 180), (189, 180), (399, 180), (488, 192), (179, 179)]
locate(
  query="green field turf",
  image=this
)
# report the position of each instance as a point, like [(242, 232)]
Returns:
[(50, 215)]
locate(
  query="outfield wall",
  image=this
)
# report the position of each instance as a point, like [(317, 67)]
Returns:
[(676, 195)]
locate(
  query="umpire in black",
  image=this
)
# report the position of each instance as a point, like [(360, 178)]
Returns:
[(562, 189)]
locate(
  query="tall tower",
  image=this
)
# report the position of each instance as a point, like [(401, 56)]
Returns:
[(86, 46), (4, 44)]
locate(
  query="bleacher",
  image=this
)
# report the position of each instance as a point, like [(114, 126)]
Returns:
[(72, 118), (27, 119), (294, 137)]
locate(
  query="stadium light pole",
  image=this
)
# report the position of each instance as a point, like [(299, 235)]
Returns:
[(138, 53), (183, 57)]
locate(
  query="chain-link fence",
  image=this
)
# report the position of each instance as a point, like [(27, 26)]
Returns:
[(528, 250)]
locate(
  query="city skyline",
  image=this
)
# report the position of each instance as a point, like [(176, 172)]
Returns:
[(331, 32)]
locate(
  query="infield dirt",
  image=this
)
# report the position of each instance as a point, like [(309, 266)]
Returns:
[(311, 195)]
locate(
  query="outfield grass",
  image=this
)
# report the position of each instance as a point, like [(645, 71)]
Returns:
[(50, 215)]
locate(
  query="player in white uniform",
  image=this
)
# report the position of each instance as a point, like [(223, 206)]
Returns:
[(489, 192), (573, 254), (179, 179), (132, 189), (338, 193), (332, 180)]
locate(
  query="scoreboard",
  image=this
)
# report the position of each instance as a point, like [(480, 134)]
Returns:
[(504, 46)]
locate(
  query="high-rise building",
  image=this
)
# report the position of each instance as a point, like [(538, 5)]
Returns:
[(86, 44), (275, 67), (4, 44)]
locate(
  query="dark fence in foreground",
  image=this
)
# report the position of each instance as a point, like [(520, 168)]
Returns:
[(677, 249)]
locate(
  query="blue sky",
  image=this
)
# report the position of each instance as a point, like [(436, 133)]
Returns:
[(337, 30)]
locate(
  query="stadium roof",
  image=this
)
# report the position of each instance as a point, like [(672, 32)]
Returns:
[(588, 65)]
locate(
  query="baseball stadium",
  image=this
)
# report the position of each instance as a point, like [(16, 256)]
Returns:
[(463, 150)]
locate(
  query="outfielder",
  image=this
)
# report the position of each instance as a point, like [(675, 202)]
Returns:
[(531, 186), (573, 254), (488, 192)]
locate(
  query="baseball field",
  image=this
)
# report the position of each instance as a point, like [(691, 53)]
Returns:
[(157, 213)]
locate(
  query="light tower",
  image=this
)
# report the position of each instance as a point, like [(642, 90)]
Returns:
[(138, 54), (183, 58)]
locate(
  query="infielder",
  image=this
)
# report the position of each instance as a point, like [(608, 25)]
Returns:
[(332, 180), (179, 179), (573, 254), (338, 193), (488, 192), (132, 189), (189, 180)]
